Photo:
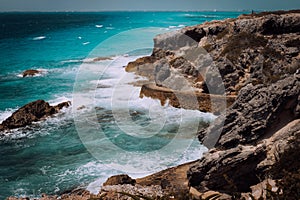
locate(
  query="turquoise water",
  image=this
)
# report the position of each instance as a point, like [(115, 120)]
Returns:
[(65, 151)]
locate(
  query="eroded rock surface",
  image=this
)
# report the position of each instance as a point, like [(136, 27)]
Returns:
[(221, 57)]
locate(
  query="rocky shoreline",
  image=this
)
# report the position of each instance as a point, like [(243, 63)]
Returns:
[(257, 57)]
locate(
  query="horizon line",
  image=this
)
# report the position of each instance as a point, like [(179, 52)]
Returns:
[(85, 11)]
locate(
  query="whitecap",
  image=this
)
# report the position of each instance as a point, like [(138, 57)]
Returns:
[(60, 99), (171, 27), (6, 113), (85, 43), (99, 26), (72, 61), (39, 38)]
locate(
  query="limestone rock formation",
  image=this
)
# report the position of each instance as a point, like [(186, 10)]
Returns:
[(237, 169), (263, 122), (257, 58), (258, 112), (262, 48)]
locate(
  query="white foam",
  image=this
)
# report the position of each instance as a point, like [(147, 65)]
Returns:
[(176, 27), (172, 27), (5, 114), (72, 61), (60, 99), (85, 43), (98, 26), (39, 38), (141, 161)]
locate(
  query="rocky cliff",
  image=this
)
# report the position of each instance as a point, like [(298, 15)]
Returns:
[(257, 57)]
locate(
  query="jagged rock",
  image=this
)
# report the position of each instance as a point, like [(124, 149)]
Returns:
[(237, 169), (260, 48), (264, 120), (162, 71), (119, 180), (133, 66), (31, 112), (257, 113), (62, 105), (30, 72), (227, 171), (187, 100)]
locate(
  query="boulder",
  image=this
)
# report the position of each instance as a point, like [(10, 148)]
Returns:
[(30, 72), (119, 180), (32, 112)]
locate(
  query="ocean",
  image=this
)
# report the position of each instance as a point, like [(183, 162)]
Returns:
[(108, 129)]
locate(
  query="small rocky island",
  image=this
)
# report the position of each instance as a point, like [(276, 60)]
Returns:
[(31, 112), (257, 57)]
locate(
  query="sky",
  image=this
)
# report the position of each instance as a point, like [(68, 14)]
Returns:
[(146, 5)]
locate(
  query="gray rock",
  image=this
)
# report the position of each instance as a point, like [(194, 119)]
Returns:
[(257, 113), (236, 169), (162, 71)]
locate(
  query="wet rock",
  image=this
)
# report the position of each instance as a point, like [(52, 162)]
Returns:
[(30, 72), (62, 105), (32, 112)]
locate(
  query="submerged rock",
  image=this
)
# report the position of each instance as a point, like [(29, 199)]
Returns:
[(32, 112)]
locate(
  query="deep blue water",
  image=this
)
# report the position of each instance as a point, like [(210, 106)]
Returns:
[(49, 157)]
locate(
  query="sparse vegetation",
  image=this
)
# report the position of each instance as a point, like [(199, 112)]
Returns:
[(293, 43), (287, 171), (268, 52), (237, 43), (222, 34), (208, 47)]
